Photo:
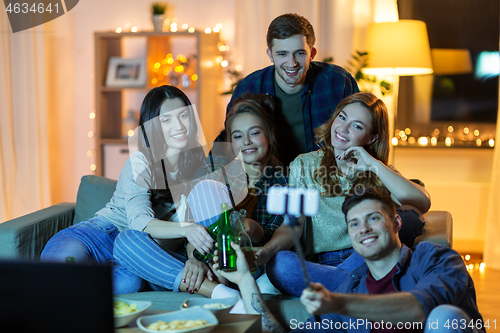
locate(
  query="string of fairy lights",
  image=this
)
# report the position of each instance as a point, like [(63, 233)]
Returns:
[(450, 138)]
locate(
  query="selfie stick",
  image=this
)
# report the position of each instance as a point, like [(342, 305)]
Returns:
[(292, 223)]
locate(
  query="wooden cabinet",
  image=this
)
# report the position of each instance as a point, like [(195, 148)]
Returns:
[(203, 89)]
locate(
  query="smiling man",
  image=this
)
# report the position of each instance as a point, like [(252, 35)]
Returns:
[(308, 91), (424, 289)]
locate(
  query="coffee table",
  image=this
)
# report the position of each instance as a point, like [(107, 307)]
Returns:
[(231, 323)]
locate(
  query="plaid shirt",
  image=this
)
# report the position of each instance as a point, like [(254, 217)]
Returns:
[(326, 86), (259, 214), (237, 181)]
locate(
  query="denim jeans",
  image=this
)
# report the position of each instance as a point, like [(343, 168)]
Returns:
[(91, 242), (449, 318), (332, 268)]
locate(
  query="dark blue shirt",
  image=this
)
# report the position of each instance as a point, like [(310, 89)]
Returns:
[(435, 274)]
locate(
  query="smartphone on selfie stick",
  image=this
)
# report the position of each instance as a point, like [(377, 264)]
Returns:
[(294, 203)]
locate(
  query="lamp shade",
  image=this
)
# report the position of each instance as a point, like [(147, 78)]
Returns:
[(398, 47), (451, 61)]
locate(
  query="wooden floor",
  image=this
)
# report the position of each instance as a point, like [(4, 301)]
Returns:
[(487, 283)]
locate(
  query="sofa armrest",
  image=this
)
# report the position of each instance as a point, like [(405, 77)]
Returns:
[(26, 236), (438, 228)]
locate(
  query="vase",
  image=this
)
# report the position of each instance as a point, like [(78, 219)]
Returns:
[(158, 20)]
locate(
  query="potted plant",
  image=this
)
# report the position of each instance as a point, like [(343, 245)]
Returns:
[(158, 9)]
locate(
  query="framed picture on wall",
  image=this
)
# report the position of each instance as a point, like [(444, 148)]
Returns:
[(126, 72)]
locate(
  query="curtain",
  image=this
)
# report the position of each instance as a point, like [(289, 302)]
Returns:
[(24, 159), (491, 244)]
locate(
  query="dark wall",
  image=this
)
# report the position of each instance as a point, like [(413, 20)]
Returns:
[(465, 24)]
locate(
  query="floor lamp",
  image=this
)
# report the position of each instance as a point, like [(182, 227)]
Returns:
[(396, 49)]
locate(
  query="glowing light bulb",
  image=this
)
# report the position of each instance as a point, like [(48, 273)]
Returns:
[(411, 140), (134, 29), (90, 134), (476, 132), (447, 142), (450, 129), (89, 153), (491, 142), (407, 131), (185, 26), (118, 30), (215, 29), (479, 142), (423, 141), (194, 77), (466, 130), (130, 133), (222, 48), (434, 141), (208, 30), (394, 141), (224, 63), (219, 25), (238, 68), (92, 115), (467, 257), (191, 30), (93, 167)]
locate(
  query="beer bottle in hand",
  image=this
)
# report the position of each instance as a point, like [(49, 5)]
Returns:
[(227, 255), (213, 230), (243, 239)]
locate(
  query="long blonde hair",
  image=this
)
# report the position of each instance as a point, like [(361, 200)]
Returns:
[(328, 172)]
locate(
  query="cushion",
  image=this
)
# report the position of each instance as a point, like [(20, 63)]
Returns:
[(93, 194)]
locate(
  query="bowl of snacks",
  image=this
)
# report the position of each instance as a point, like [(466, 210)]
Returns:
[(219, 306), (126, 311), (187, 320)]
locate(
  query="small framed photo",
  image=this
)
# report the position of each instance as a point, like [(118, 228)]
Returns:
[(126, 72)]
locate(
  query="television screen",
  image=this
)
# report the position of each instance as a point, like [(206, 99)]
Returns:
[(470, 97)]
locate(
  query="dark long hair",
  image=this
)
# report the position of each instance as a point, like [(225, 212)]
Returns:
[(152, 136)]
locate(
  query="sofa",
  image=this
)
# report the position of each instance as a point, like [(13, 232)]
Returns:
[(23, 238)]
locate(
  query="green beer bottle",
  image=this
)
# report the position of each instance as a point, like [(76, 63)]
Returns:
[(243, 239), (213, 230), (227, 255)]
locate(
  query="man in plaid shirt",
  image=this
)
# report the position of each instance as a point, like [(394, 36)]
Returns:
[(308, 92)]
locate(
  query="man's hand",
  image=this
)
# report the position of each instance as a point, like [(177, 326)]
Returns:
[(194, 274), (199, 237), (241, 264), (262, 255), (318, 300)]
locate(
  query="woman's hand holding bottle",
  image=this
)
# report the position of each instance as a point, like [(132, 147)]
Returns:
[(198, 236)]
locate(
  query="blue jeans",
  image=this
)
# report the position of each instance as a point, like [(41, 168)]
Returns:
[(90, 242), (332, 268), (454, 318)]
